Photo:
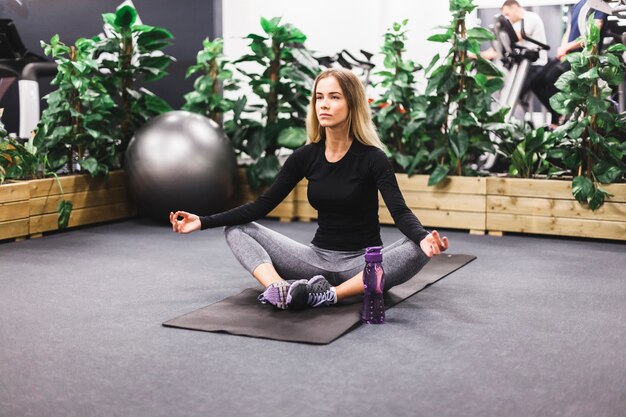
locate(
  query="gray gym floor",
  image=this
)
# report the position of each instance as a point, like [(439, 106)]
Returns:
[(536, 326)]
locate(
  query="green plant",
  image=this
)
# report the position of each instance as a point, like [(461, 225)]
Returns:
[(19, 161), (130, 54), (206, 99), (76, 127), (459, 93), (528, 150), (591, 143), (400, 111), (284, 87)]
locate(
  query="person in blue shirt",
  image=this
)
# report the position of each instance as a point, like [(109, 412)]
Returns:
[(543, 84)]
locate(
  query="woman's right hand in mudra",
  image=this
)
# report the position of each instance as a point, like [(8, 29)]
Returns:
[(189, 223)]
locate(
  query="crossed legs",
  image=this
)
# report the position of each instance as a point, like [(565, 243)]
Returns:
[(272, 257)]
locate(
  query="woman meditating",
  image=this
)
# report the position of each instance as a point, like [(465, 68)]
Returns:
[(346, 167)]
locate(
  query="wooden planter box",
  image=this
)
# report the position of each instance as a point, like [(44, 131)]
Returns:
[(14, 210), (285, 211), (93, 200), (459, 203), (548, 207)]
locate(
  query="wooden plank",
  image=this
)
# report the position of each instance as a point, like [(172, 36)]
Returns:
[(48, 222), (441, 218), (557, 226), (305, 211), (618, 191), (74, 183), (301, 191), (11, 192), (453, 184), (285, 210), (521, 187), (14, 229), (44, 205), (443, 201), (554, 208), (14, 211)]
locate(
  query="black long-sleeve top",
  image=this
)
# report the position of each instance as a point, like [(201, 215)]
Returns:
[(345, 194)]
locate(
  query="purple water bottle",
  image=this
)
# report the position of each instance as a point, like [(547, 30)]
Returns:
[(373, 311)]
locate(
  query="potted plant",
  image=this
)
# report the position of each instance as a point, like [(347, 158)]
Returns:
[(16, 161), (283, 87), (589, 142), (216, 76), (588, 149), (459, 92), (130, 54), (429, 134), (90, 119)]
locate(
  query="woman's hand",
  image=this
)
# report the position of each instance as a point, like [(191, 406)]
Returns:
[(433, 244), (189, 223)]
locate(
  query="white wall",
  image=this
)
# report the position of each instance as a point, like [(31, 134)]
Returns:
[(333, 25)]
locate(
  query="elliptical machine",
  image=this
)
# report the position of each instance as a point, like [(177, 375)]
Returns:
[(18, 63), (516, 59)]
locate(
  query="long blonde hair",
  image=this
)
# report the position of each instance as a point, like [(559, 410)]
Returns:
[(359, 115)]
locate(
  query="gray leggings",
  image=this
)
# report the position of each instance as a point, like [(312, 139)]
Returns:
[(254, 244)]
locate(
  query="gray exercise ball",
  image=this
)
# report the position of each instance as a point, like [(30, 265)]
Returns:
[(180, 161)]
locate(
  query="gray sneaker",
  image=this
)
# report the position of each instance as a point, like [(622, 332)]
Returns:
[(313, 293), (276, 294)]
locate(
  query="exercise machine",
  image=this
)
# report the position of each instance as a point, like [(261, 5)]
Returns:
[(345, 59), (516, 59), (18, 63)]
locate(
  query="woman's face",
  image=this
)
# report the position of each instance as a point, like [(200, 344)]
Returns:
[(331, 105)]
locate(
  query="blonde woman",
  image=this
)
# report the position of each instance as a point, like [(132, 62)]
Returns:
[(346, 168)]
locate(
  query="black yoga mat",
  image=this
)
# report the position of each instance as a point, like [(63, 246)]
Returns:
[(243, 315)]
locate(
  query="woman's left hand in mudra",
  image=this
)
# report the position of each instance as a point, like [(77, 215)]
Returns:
[(434, 244)]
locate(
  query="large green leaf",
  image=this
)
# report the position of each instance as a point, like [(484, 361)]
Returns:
[(596, 200), (606, 172), (403, 160), (459, 143), (480, 34), (438, 175), (582, 188), (292, 137), (125, 17), (565, 80), (487, 68), (156, 104), (269, 26), (64, 211), (90, 165), (442, 37), (617, 48)]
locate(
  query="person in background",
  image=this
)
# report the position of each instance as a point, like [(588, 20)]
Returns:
[(543, 84), (533, 28)]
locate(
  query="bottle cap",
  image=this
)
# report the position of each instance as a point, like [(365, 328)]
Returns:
[(373, 254)]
